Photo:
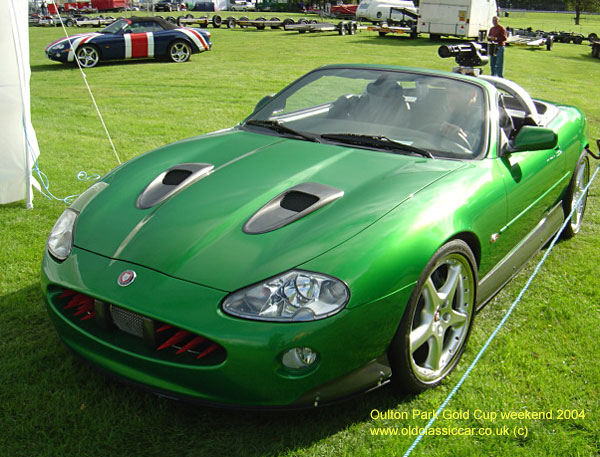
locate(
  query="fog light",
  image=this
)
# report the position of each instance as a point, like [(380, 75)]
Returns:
[(299, 358)]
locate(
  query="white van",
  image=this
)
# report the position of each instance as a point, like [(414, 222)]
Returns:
[(460, 18), (378, 11)]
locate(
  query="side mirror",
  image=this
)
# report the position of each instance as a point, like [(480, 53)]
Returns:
[(263, 101), (532, 138)]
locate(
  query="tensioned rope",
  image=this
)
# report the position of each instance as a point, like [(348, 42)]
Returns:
[(83, 75), (502, 322), (82, 175)]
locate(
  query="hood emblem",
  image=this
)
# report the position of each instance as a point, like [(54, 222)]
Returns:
[(126, 278)]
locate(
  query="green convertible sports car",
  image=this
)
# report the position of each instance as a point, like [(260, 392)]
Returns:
[(342, 236)]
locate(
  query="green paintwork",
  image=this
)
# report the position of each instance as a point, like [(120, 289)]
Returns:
[(190, 251), (534, 138)]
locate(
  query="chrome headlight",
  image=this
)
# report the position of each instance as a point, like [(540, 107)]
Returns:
[(60, 241), (58, 47), (290, 297)]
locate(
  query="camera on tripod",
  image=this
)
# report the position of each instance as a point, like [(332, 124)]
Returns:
[(468, 56)]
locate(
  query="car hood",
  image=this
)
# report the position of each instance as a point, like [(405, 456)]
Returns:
[(72, 39), (197, 234)]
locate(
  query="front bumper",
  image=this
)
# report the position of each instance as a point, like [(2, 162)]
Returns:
[(58, 56), (251, 374)]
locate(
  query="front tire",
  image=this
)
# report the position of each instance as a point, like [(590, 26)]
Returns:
[(437, 321), (179, 51), (579, 182), (88, 56)]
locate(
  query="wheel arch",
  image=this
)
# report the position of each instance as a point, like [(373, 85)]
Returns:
[(472, 241), (184, 39)]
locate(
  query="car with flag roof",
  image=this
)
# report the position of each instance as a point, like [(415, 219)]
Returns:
[(131, 38)]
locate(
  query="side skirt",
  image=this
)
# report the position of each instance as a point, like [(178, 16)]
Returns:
[(517, 258)]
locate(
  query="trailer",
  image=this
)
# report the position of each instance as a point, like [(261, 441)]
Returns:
[(260, 23), (341, 28), (48, 21), (399, 21), (83, 21), (531, 39), (456, 18), (110, 5), (568, 37), (203, 21), (385, 29)]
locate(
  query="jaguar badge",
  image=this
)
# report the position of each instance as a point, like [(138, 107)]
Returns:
[(126, 278)]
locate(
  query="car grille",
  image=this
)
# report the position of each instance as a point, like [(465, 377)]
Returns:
[(127, 321), (161, 339)]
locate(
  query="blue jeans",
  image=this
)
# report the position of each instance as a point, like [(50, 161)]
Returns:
[(497, 62)]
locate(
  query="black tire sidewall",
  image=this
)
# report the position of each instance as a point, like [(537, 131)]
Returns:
[(568, 231), (403, 378), (171, 47)]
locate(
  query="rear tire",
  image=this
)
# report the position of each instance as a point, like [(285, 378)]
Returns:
[(437, 321), (579, 181)]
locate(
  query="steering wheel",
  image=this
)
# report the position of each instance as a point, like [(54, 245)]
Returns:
[(453, 135)]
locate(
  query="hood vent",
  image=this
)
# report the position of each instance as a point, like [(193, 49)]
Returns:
[(171, 181), (291, 205), (298, 201)]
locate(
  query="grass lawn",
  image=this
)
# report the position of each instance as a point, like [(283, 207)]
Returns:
[(542, 361)]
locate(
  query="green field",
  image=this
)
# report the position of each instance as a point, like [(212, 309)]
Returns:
[(542, 361)]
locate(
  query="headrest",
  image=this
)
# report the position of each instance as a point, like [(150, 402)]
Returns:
[(383, 87)]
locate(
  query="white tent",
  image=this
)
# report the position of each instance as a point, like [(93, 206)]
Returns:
[(18, 143)]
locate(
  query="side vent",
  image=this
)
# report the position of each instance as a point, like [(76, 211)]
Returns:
[(291, 205), (172, 181)]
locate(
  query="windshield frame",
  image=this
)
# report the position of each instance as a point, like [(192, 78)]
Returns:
[(112, 25), (265, 110)]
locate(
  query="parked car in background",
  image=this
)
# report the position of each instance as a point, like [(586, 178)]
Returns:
[(167, 5), (131, 38), (241, 5)]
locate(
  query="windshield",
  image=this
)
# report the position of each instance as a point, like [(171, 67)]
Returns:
[(115, 27), (444, 116)]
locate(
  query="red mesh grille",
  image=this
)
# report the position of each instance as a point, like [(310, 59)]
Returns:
[(82, 305), (163, 337), (185, 341)]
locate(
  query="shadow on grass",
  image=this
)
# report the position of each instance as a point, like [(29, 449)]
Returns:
[(58, 66), (399, 40), (47, 387)]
